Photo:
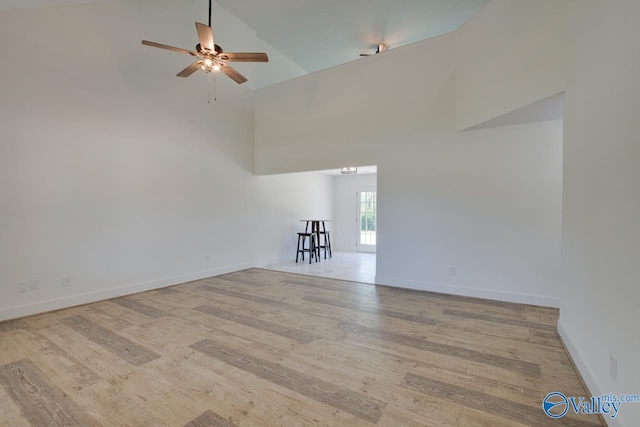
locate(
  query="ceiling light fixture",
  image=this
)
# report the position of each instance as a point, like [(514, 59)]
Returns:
[(209, 65), (350, 170)]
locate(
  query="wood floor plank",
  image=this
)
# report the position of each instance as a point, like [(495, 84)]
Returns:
[(13, 325), (42, 403), (317, 389), (371, 309), (497, 319), (302, 317), (106, 317), (126, 349), (500, 331), (527, 315), (11, 414), (74, 373), (487, 403), (222, 290), (339, 286), (274, 328), (139, 307), (122, 314), (209, 419), (167, 290), (236, 278), (523, 367)]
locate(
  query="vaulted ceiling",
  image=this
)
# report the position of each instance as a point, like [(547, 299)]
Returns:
[(318, 34)]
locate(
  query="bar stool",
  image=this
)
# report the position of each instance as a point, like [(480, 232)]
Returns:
[(324, 242), (302, 237), (315, 229)]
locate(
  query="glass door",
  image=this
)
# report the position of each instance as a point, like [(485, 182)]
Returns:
[(367, 219)]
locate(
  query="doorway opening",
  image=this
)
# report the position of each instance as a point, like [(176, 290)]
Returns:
[(352, 223)]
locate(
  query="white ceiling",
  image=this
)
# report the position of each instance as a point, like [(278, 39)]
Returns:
[(318, 34)]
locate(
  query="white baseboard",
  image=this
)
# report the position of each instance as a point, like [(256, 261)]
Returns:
[(444, 288), (74, 300), (270, 261), (594, 388)]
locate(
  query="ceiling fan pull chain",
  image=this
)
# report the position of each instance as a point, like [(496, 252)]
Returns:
[(215, 87)]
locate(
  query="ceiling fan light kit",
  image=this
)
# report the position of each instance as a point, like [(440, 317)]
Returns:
[(210, 66), (211, 59)]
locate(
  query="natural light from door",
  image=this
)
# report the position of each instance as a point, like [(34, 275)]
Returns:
[(367, 219)]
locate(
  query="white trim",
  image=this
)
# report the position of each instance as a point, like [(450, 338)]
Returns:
[(594, 388), (74, 300), (493, 294), (269, 261)]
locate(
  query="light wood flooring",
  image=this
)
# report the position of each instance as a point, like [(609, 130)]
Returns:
[(267, 348)]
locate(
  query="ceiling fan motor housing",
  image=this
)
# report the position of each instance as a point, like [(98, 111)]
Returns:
[(201, 51)]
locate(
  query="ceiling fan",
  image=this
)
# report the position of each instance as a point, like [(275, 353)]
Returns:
[(381, 48), (210, 57)]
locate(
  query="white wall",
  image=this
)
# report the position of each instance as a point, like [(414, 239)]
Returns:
[(599, 314), (487, 202), (117, 173), (351, 114), (509, 55), (344, 234)]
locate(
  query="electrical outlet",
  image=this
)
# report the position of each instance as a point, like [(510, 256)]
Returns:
[(613, 368), (452, 271), (33, 285), (23, 286)]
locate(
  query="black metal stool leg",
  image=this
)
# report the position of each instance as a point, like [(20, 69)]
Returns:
[(304, 239)]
